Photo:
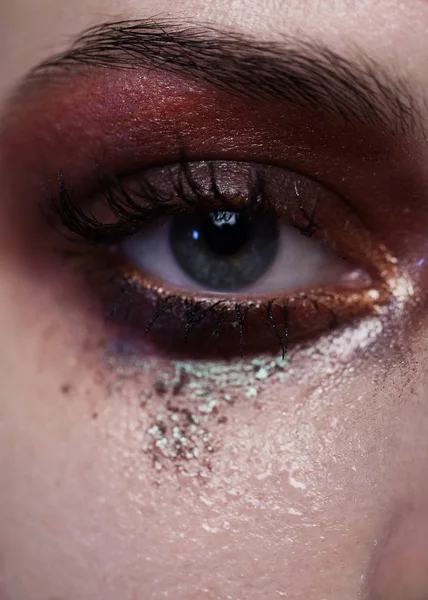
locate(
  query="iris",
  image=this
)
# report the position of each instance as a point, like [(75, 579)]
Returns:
[(223, 250)]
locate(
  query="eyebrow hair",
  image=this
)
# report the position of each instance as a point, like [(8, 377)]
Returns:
[(300, 72)]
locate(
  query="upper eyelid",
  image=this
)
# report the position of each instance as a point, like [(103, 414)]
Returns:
[(47, 115), (162, 189), (303, 73)]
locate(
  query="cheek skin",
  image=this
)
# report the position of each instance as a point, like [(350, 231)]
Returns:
[(300, 467), (400, 566)]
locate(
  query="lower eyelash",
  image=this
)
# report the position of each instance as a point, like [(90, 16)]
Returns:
[(195, 314), (176, 325)]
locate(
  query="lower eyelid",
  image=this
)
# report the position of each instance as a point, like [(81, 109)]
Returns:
[(134, 307)]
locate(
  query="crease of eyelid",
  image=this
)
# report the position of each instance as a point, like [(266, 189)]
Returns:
[(302, 72)]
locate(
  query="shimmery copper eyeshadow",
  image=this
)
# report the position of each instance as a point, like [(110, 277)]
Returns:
[(126, 121)]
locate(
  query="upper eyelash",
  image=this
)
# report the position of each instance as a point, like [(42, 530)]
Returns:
[(131, 216)]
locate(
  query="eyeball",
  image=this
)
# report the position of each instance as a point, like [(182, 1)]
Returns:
[(234, 252)]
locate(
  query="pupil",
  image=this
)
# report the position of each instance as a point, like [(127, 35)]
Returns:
[(225, 232)]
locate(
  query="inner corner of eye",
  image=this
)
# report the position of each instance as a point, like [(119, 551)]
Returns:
[(227, 251)]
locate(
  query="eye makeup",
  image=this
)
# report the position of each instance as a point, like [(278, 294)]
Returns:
[(125, 121), (129, 149), (137, 123), (196, 322)]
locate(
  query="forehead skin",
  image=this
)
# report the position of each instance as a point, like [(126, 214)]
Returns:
[(320, 488)]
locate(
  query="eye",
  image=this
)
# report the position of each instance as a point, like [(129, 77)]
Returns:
[(226, 251), (227, 257)]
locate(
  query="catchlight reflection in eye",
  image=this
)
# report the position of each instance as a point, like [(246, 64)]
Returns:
[(236, 252)]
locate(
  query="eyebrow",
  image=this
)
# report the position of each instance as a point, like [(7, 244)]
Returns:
[(303, 73)]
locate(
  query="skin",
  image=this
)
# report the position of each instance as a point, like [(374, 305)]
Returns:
[(318, 490)]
